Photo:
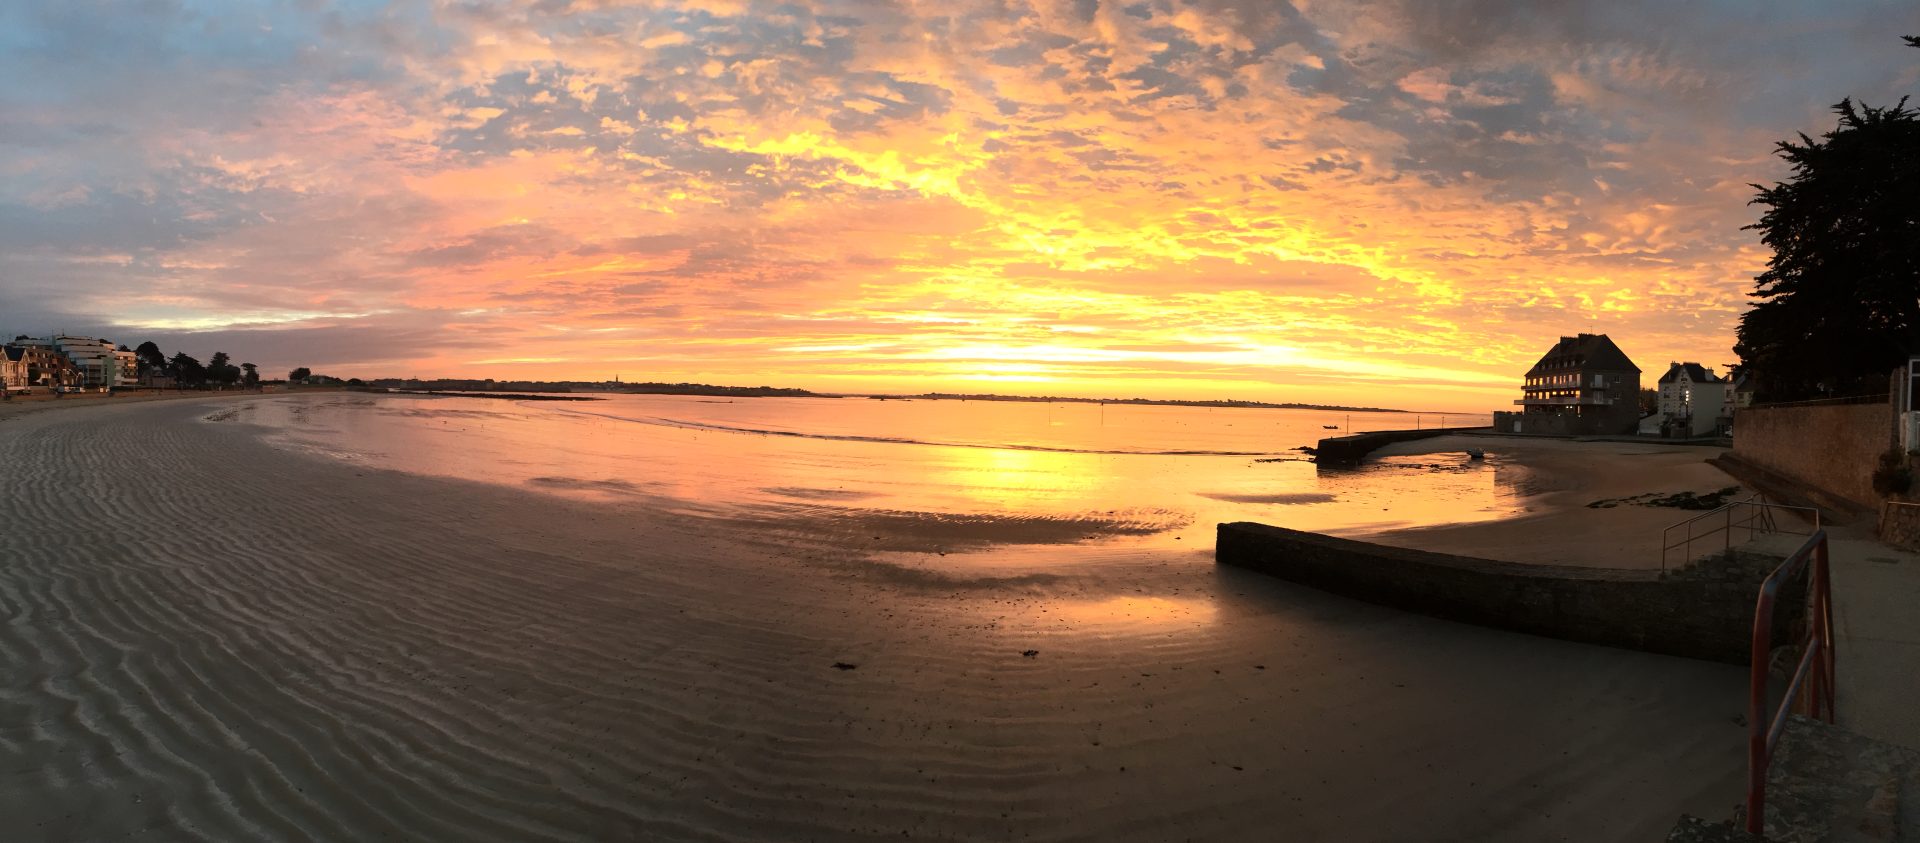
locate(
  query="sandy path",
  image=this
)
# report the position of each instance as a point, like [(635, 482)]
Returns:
[(206, 638), (1560, 477)]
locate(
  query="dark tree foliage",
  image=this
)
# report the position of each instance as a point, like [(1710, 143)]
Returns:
[(221, 370), (300, 374), (151, 360), (1840, 300), (186, 370), (251, 378)]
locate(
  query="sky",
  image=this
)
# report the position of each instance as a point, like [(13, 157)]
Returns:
[(1393, 204)]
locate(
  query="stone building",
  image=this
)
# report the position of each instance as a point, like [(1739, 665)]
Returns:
[(1584, 385)]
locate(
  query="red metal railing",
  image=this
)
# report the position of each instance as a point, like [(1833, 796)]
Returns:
[(1814, 672)]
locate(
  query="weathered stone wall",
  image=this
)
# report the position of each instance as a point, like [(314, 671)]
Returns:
[(1833, 447), (1704, 613), (1349, 450), (1614, 422), (1900, 526)]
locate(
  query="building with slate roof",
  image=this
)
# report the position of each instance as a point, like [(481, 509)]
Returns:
[(1694, 400), (1584, 385)]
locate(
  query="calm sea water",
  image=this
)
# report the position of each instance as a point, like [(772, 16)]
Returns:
[(914, 476)]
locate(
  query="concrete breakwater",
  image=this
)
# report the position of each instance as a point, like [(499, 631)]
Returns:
[(1703, 612), (1349, 450)]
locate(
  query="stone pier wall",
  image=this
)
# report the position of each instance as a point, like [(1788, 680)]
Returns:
[(1350, 450), (1703, 613)]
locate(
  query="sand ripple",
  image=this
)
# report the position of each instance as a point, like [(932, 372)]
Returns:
[(206, 638)]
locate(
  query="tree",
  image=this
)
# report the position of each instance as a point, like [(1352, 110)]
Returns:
[(1840, 300), (221, 370), (299, 374), (252, 377), (150, 360), (186, 370)]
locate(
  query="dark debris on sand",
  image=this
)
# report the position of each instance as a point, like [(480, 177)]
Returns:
[(1677, 500)]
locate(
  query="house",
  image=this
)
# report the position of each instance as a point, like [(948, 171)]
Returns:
[(1694, 400), (46, 367), (1742, 391), (1584, 385), (13, 368)]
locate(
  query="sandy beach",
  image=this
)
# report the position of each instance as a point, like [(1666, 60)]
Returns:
[(1560, 479), (211, 638)]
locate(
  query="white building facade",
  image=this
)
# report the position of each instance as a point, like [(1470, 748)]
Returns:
[(101, 364), (1693, 400)]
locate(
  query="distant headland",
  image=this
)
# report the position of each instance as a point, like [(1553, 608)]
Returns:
[(650, 388)]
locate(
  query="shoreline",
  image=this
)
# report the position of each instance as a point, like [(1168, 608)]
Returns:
[(1560, 479), (17, 407), (268, 645)]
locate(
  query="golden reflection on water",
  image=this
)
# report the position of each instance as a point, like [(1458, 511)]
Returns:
[(1007, 479), (1136, 613), (928, 472)]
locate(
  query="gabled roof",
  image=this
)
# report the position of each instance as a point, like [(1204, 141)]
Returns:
[(1585, 353), (1695, 373), (15, 353)]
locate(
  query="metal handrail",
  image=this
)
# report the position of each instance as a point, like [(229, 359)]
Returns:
[(1758, 520), (1816, 666)]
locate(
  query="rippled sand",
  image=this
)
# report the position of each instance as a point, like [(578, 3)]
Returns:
[(208, 638)]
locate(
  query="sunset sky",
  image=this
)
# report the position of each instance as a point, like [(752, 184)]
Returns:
[(1391, 204)]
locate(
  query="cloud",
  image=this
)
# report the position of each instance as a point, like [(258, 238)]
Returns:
[(1272, 200)]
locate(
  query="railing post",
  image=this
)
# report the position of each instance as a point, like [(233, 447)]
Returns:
[(1826, 621), (1757, 720)]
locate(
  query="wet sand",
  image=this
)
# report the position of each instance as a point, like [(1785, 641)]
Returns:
[(210, 638), (1560, 478)]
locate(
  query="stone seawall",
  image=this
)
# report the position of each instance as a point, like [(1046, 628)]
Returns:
[(1702, 613), (1833, 448), (1350, 450)]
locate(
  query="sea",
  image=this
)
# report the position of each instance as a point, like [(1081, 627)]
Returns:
[(1014, 482)]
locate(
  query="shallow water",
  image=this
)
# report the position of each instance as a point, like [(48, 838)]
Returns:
[(916, 477)]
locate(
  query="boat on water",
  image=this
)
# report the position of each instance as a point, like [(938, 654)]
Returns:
[(1329, 427)]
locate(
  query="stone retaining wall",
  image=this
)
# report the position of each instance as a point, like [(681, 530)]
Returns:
[(1705, 612), (1833, 447), (1900, 525)]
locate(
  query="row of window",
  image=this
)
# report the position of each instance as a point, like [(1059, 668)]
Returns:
[(1571, 379)]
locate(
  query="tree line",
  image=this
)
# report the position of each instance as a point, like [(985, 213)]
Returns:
[(186, 370)]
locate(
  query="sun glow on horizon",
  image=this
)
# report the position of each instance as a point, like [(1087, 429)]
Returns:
[(1329, 204)]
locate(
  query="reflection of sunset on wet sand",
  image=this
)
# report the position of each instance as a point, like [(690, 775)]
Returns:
[(504, 621), (1004, 473), (782, 420)]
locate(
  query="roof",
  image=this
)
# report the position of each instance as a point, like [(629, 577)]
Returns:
[(1584, 352), (1695, 373), (14, 352)]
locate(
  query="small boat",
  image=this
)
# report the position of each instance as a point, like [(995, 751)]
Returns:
[(1329, 427), (1476, 454)]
